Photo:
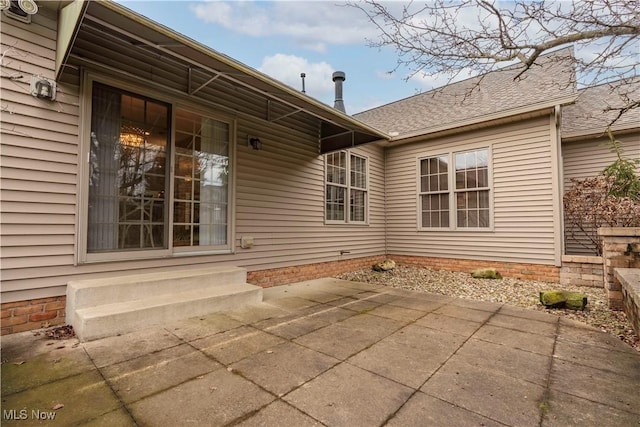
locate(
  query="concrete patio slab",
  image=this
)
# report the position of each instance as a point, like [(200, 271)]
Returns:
[(213, 399), (200, 327), (596, 357), (254, 313), (408, 365), (350, 336), (567, 410), (477, 305), (453, 325), (491, 394), (503, 360), (118, 418), (435, 340), (280, 413), (614, 388), (294, 365), (292, 303), (356, 305), (525, 313), (108, 351), (57, 364), (331, 353), (85, 396), (397, 313), (424, 410), (422, 304), (302, 323), (581, 333), (379, 297), (230, 346), (453, 310), (349, 396), (523, 324), (516, 339), (137, 378)]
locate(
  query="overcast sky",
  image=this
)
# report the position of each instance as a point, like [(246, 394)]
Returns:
[(285, 38)]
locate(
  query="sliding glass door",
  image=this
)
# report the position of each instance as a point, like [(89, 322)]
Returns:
[(131, 193)]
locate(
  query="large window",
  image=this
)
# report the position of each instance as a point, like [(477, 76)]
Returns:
[(130, 198), (346, 177), (460, 180)]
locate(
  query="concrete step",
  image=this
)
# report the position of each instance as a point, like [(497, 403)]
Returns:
[(104, 320), (98, 308), (92, 292)]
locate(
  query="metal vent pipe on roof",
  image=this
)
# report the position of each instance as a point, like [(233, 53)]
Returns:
[(338, 77)]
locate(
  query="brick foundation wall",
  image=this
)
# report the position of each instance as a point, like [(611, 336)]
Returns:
[(282, 276), (38, 313), (23, 316), (581, 270), (545, 273)]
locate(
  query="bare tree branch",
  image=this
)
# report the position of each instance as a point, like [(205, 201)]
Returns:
[(445, 37)]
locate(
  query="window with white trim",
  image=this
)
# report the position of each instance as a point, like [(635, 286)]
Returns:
[(434, 191), (472, 189), (346, 188), (454, 190)]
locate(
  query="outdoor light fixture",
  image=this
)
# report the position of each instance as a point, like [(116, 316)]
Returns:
[(28, 6), (22, 10), (43, 88), (254, 142)]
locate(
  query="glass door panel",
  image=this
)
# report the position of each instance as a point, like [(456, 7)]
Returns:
[(201, 181), (127, 177)]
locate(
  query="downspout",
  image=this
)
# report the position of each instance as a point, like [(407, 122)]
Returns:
[(557, 185), (384, 193)]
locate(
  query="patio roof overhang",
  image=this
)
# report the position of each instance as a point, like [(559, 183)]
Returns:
[(107, 24)]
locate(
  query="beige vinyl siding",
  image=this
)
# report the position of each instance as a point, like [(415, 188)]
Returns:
[(279, 202), (587, 158), (38, 154), (278, 191), (522, 193)]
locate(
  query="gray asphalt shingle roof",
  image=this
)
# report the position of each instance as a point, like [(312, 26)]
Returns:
[(588, 115), (495, 92)]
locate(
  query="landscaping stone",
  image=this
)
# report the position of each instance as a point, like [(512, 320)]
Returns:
[(386, 265), (486, 273), (563, 299)]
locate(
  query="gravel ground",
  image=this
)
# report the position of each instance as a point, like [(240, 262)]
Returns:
[(523, 293)]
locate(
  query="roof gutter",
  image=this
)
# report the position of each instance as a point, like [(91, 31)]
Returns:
[(463, 125), (188, 42), (597, 132)]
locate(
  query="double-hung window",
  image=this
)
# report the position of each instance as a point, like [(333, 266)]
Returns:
[(454, 190), (346, 188), (472, 189), (134, 202), (434, 191)]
